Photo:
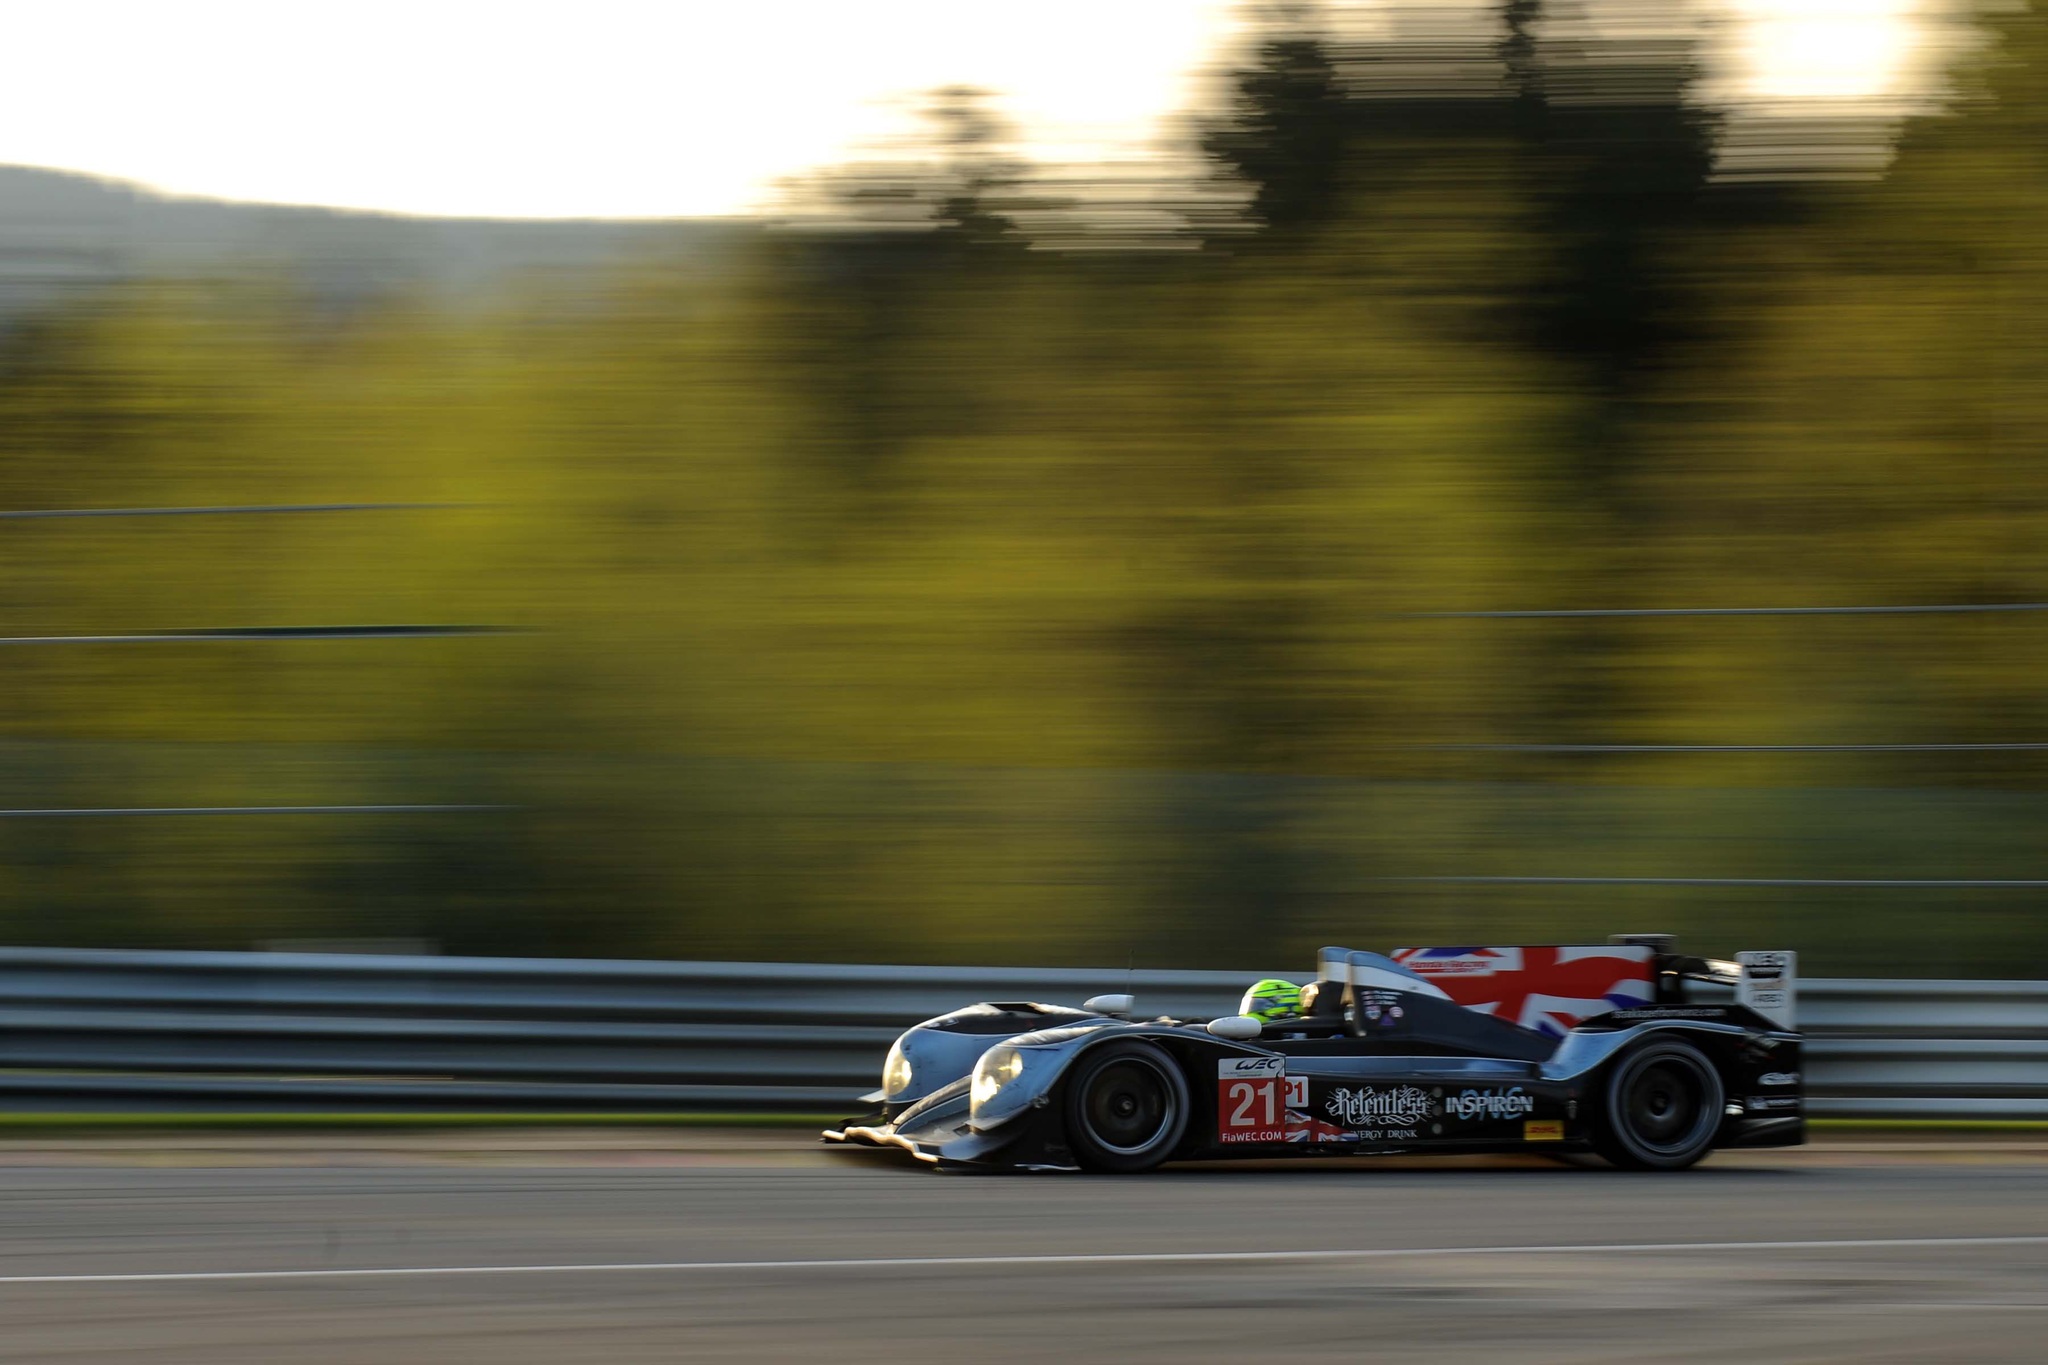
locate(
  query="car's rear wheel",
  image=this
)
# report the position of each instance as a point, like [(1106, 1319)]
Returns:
[(1664, 1104), (1127, 1107)]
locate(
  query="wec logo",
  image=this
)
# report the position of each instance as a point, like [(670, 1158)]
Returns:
[(1490, 1104), (1249, 1067)]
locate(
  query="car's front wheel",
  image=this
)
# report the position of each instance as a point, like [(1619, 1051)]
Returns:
[(1664, 1104), (1127, 1107)]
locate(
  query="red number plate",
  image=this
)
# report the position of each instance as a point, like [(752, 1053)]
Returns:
[(1251, 1099)]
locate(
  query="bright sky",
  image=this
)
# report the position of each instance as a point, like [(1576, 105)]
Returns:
[(611, 108)]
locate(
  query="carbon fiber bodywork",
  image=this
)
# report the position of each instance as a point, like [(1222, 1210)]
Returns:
[(989, 1085)]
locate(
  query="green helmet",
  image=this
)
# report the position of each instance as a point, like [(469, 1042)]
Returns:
[(1271, 999)]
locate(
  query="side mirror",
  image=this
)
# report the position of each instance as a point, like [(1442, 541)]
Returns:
[(1117, 1005), (1238, 1028)]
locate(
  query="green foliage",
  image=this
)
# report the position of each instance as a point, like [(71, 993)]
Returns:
[(913, 596)]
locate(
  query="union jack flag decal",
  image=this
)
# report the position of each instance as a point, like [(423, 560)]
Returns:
[(1551, 990)]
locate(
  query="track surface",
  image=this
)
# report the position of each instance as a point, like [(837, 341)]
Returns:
[(929, 1267)]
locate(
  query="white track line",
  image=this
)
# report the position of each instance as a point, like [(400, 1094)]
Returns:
[(1013, 1262)]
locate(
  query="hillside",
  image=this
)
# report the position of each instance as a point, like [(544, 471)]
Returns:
[(61, 231)]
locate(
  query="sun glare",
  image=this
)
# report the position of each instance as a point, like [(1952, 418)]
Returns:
[(1825, 49), (619, 109)]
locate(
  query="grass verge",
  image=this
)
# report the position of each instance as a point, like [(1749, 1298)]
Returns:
[(1929, 1125)]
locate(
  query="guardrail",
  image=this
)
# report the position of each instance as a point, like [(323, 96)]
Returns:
[(95, 1030)]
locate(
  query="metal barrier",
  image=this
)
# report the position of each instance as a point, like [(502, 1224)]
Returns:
[(88, 1030)]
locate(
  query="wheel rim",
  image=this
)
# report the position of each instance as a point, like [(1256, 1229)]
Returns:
[(1129, 1105), (1665, 1105)]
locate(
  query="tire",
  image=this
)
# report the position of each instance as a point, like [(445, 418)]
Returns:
[(1664, 1107), (1127, 1108)]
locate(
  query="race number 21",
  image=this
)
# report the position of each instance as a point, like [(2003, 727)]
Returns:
[(1251, 1099)]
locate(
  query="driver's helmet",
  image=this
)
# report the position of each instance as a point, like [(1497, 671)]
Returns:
[(1271, 999)]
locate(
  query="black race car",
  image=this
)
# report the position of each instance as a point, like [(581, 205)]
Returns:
[(1595, 1049)]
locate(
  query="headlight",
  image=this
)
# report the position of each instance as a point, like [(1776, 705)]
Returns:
[(896, 1071), (997, 1068)]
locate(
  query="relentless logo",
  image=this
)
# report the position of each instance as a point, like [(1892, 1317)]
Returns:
[(1490, 1104), (1778, 1078), (1397, 1106)]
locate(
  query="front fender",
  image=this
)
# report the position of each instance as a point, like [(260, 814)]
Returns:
[(1049, 1055), (1046, 1056), (943, 1050)]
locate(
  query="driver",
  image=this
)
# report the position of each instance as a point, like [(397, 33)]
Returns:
[(1271, 999)]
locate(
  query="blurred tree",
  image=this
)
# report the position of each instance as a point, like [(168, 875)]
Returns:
[(1613, 152), (894, 592), (1870, 431), (981, 177), (1286, 131)]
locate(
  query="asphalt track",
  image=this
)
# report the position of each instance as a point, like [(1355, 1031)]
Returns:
[(758, 1249)]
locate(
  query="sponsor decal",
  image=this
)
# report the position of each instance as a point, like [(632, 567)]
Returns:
[(1773, 1102), (1778, 1078), (1381, 1009), (1459, 961), (1543, 1130), (1402, 1106), (1230, 1067), (1512, 1103), (1672, 1012)]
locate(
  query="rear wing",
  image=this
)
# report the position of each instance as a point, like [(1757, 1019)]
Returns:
[(1769, 984), (1766, 982), (1553, 989)]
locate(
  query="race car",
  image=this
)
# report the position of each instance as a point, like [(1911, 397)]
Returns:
[(1457, 1050)]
